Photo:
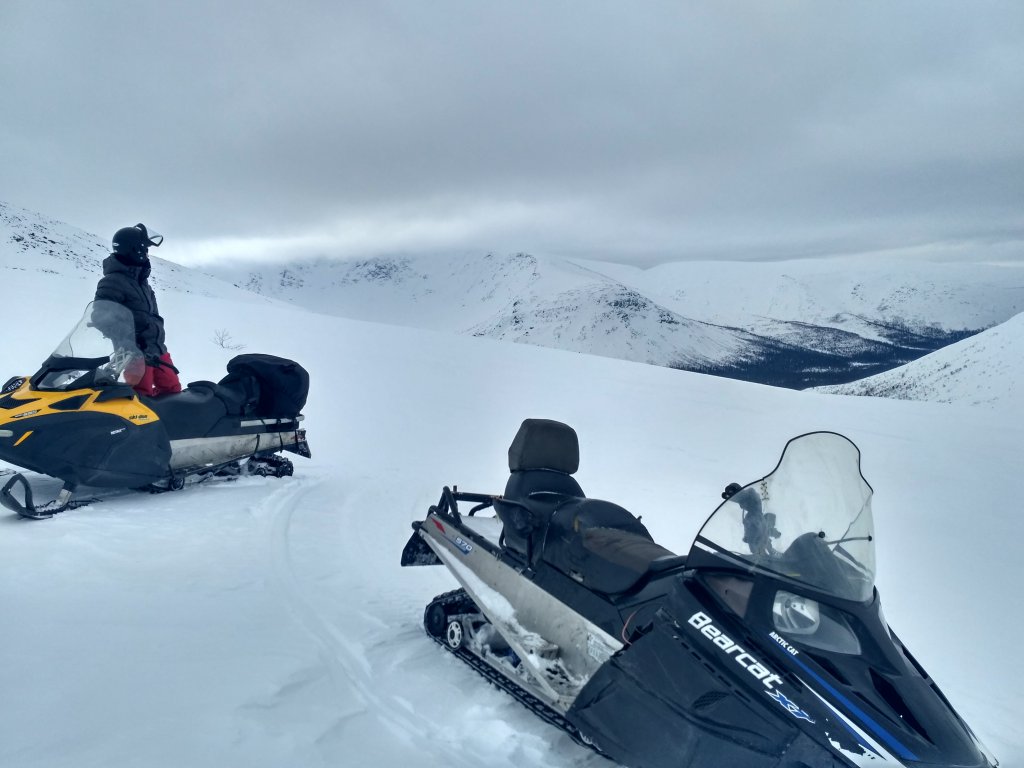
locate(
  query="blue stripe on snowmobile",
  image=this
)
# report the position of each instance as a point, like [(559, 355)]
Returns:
[(878, 730)]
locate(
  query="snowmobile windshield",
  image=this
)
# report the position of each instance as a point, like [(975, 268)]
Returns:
[(809, 521), (100, 350)]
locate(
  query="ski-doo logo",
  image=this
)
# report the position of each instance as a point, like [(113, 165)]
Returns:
[(13, 386), (138, 417), (703, 622), (789, 706), (464, 546), (788, 648)]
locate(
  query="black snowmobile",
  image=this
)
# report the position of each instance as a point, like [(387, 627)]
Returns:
[(764, 646), (78, 419)]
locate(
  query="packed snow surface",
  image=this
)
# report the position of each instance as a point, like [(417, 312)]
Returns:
[(267, 623)]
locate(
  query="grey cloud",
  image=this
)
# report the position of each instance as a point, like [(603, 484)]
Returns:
[(631, 131)]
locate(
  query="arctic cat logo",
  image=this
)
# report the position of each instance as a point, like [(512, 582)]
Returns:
[(789, 648), (702, 622)]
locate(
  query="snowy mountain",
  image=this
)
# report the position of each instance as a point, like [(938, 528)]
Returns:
[(786, 323), (267, 623), (983, 370), (50, 271), (34, 243), (546, 302)]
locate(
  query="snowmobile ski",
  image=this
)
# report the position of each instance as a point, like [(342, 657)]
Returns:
[(265, 466), (29, 509)]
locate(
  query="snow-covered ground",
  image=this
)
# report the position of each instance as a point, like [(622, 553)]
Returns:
[(268, 623)]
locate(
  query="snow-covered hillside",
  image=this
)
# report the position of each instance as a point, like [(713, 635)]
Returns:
[(546, 302), (793, 323), (34, 244), (985, 369), (868, 296), (267, 623)]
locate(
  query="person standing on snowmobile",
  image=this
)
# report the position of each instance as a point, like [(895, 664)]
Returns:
[(126, 281)]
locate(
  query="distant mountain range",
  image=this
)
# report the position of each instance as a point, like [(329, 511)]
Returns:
[(848, 326), (796, 324)]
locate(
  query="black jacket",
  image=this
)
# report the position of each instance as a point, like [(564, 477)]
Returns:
[(129, 285)]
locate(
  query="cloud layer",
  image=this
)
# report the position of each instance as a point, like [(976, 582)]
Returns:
[(642, 132)]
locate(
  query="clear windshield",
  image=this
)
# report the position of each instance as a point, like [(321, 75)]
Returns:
[(99, 350), (809, 520)]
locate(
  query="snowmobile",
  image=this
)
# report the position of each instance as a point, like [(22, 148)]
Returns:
[(764, 646), (78, 419)]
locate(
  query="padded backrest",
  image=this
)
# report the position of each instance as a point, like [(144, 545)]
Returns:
[(544, 444)]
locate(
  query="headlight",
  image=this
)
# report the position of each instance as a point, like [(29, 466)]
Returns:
[(796, 615), (808, 622)]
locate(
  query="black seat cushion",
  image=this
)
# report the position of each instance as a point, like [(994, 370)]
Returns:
[(237, 400), (600, 544), (524, 482), (191, 413)]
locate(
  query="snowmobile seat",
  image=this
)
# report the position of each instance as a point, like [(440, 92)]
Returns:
[(542, 458), (192, 412), (237, 399), (540, 482), (602, 546)]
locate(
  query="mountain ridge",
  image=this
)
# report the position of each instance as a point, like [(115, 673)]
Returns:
[(596, 308), (794, 324)]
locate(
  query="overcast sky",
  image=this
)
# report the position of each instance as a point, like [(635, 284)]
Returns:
[(629, 131)]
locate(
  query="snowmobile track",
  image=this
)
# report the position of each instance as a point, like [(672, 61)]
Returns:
[(458, 600)]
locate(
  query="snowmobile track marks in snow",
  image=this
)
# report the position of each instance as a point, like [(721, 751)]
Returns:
[(350, 673)]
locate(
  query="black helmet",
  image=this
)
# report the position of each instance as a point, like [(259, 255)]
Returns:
[(131, 244)]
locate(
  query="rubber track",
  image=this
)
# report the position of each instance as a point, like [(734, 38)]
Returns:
[(457, 601)]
